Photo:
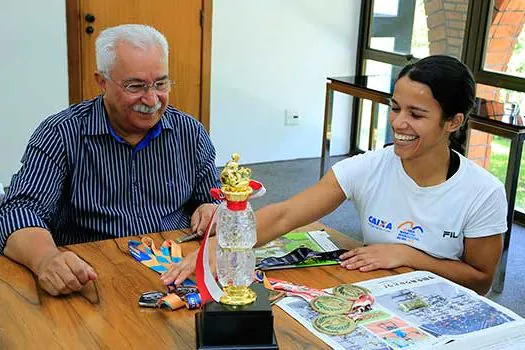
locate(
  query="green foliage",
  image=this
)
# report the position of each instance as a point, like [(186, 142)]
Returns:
[(498, 167), (517, 62)]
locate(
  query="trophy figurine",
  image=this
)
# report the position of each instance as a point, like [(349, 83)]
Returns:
[(236, 235), (240, 315)]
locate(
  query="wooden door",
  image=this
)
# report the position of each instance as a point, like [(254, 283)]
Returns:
[(183, 22)]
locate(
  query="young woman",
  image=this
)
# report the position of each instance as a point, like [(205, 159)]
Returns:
[(421, 204)]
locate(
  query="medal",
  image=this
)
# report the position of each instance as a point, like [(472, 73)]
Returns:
[(334, 324), (151, 298), (350, 291), (331, 305)]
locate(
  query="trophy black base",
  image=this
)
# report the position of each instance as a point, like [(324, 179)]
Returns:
[(247, 327)]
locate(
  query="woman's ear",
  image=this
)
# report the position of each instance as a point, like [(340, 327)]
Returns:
[(455, 123)]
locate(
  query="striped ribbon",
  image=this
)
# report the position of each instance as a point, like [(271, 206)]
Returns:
[(159, 260)]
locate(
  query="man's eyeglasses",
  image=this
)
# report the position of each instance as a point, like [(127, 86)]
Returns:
[(141, 88)]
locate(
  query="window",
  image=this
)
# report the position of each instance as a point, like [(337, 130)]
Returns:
[(398, 32), (487, 35), (505, 48)]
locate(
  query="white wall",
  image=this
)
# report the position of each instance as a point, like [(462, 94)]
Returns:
[(33, 67), (272, 55), (267, 56)]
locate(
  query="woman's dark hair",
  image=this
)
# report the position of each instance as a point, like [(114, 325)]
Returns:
[(452, 85)]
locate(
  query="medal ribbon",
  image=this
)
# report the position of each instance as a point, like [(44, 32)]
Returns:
[(159, 260), (299, 255), (296, 290), (361, 304), (208, 286)]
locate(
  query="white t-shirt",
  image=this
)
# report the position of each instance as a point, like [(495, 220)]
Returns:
[(435, 219)]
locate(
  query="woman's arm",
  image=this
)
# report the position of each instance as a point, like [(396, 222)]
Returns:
[(476, 268), (474, 271), (302, 209), (275, 220)]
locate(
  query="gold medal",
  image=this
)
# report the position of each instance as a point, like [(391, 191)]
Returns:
[(331, 305), (334, 324), (350, 291)]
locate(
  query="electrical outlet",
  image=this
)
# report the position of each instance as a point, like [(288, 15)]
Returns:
[(291, 117)]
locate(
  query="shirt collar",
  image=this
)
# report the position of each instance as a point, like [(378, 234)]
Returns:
[(167, 123), (96, 121)]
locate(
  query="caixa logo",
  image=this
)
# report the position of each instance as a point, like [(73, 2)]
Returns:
[(379, 224)]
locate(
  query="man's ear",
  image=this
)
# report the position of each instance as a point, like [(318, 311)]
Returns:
[(455, 123), (101, 81)]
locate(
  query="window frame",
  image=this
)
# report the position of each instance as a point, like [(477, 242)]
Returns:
[(364, 52), (475, 40)]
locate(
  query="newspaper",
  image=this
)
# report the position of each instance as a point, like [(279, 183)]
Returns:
[(420, 310), (497, 338)]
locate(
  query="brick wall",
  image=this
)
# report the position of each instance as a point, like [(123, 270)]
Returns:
[(446, 24), (507, 23)]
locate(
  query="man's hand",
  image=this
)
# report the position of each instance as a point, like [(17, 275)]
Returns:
[(63, 273), (201, 217), (376, 256)]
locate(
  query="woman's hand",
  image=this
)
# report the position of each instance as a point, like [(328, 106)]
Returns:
[(376, 256), (180, 271)]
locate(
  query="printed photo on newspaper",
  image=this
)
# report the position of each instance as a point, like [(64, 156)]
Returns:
[(414, 310)]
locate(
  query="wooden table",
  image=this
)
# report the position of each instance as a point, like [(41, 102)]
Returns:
[(105, 315)]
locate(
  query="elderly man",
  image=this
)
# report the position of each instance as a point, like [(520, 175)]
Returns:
[(121, 164)]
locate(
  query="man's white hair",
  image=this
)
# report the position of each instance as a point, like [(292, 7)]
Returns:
[(137, 35)]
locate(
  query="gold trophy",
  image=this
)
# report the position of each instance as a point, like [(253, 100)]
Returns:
[(236, 235), (243, 318)]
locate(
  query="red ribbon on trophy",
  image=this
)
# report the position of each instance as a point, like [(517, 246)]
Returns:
[(207, 284)]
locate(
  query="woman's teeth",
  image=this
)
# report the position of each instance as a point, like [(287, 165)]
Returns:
[(402, 137)]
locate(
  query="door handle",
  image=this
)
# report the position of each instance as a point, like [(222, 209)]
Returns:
[(89, 18), (89, 30)]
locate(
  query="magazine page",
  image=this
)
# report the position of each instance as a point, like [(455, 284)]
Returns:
[(416, 310), (317, 241)]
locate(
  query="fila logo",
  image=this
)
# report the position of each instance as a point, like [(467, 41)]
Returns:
[(450, 234)]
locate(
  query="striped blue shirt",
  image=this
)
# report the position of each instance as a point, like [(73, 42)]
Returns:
[(82, 182)]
